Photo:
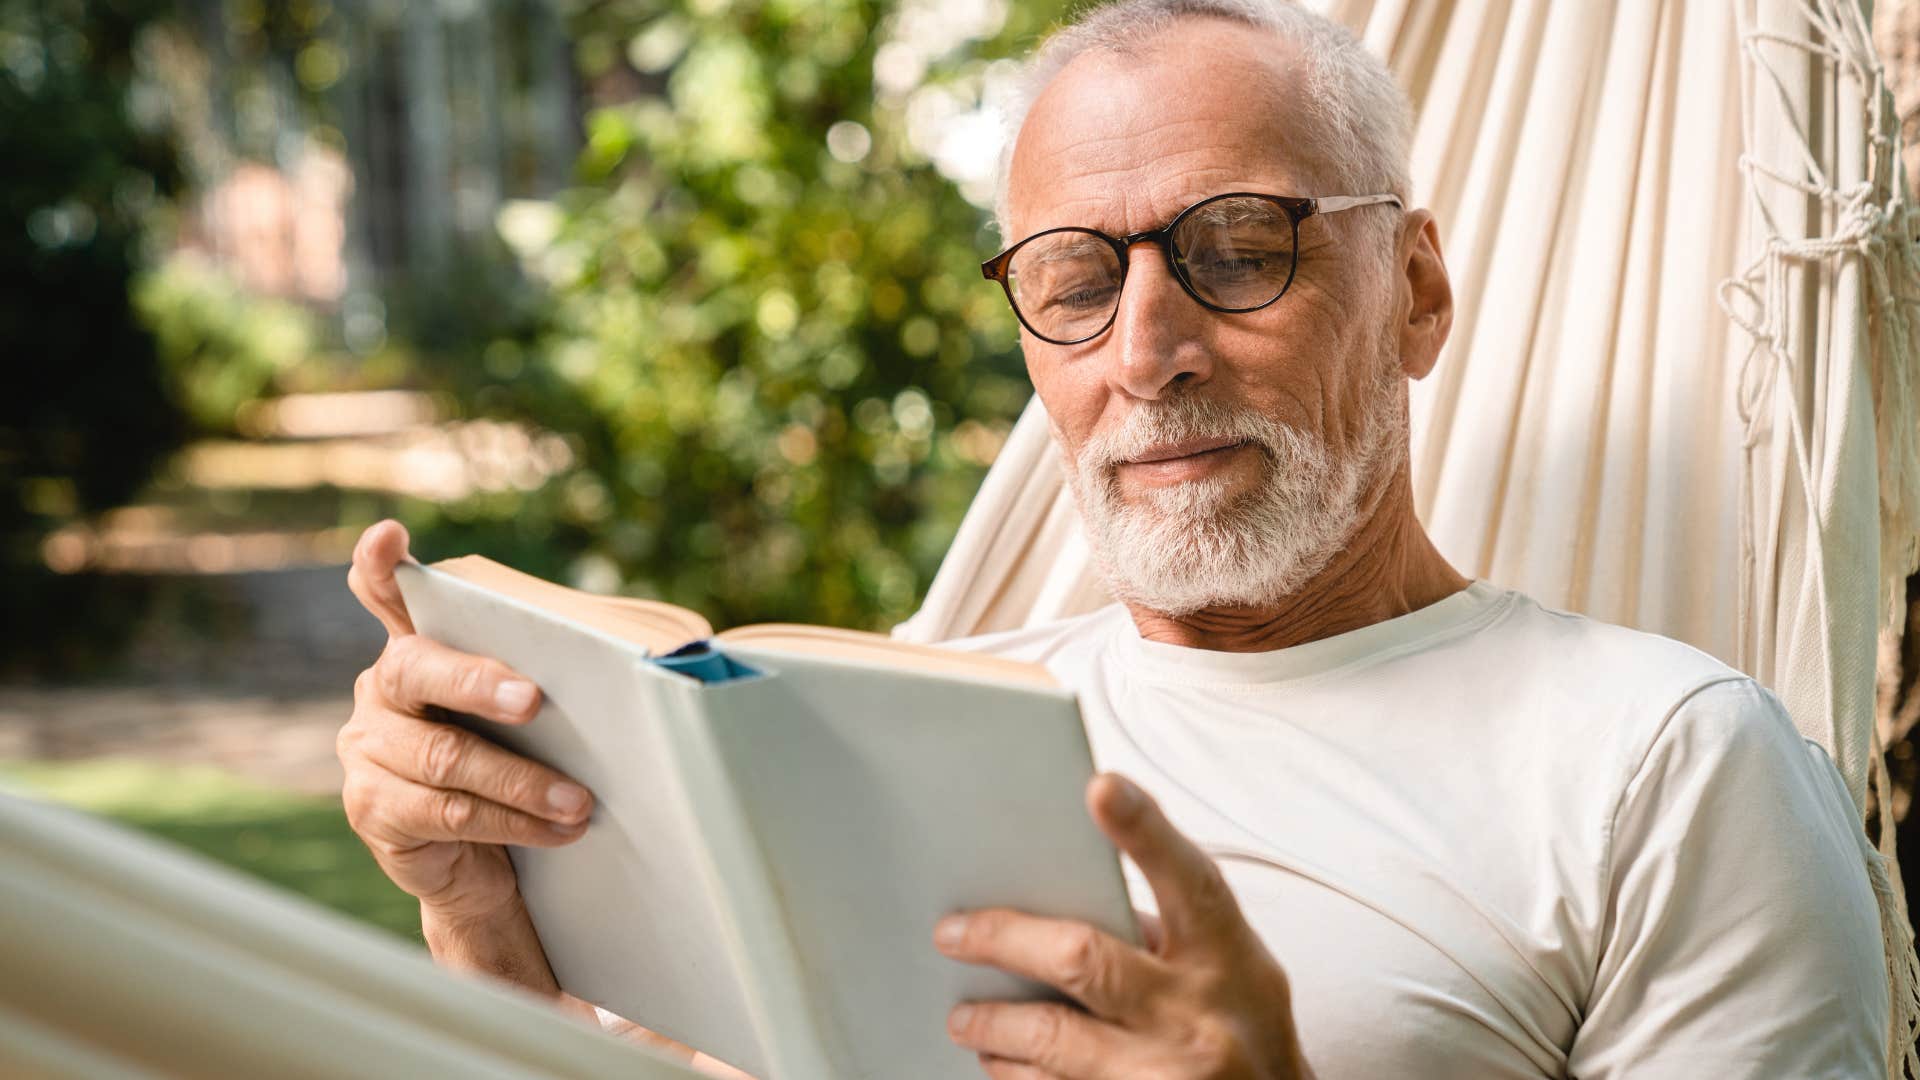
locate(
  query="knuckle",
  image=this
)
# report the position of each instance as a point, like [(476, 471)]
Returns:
[(355, 799), (983, 931), (391, 670), (442, 753), (469, 681), (366, 685), (1212, 896), (347, 741), (1077, 958), (455, 811), (525, 785), (1042, 1038), (1213, 1048)]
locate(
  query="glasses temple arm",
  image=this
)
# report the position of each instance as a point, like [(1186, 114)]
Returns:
[(1335, 203)]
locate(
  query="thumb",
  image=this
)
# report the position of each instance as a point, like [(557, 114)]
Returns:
[(382, 547)]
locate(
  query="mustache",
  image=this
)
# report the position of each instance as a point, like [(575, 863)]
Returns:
[(1178, 419)]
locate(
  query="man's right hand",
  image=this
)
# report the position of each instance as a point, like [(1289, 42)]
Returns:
[(432, 801), (435, 803)]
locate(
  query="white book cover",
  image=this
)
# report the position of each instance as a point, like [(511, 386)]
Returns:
[(769, 853)]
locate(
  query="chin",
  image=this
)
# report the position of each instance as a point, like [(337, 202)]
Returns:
[(1177, 564)]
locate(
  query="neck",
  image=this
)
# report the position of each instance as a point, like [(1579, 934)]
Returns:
[(1388, 568)]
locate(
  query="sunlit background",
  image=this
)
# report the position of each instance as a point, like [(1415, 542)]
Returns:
[(670, 299)]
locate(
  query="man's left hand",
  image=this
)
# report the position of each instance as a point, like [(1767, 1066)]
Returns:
[(1204, 999)]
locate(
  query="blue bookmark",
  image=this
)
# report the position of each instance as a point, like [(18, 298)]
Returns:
[(700, 660)]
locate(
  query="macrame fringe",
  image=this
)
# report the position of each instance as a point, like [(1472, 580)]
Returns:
[(1877, 223), (1896, 937)]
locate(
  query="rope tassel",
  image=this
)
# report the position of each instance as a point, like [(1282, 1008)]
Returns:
[(1862, 235)]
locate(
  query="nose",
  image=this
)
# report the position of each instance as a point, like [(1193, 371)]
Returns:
[(1156, 335)]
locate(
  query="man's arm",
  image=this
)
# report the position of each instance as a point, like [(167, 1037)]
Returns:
[(1742, 938)]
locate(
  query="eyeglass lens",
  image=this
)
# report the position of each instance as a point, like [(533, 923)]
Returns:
[(1236, 254)]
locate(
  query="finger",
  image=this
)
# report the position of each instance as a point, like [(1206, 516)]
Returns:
[(1002, 1069), (403, 814), (1055, 1039), (1110, 977), (382, 547), (712, 1066), (414, 673), (1152, 934), (1196, 906), (444, 756)]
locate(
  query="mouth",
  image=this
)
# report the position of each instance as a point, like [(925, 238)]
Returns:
[(1186, 448)]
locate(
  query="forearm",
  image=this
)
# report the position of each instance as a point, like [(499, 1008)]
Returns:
[(505, 947), (501, 946)]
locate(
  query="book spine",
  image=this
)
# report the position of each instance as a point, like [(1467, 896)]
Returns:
[(760, 940)]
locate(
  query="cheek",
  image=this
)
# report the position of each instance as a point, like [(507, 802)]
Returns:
[(1278, 366), (1069, 388)]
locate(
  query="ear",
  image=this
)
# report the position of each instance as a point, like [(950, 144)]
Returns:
[(1429, 309)]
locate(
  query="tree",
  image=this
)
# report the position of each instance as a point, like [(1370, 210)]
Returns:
[(770, 343), (89, 413)]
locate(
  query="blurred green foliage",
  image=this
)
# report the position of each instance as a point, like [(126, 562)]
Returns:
[(777, 367), (755, 314), (90, 410), (220, 347)]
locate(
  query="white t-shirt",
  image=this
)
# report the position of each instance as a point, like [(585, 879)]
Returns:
[(1488, 840)]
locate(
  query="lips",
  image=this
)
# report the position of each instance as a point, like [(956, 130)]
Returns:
[(1184, 448)]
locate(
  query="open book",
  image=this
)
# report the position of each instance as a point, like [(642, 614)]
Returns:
[(782, 813)]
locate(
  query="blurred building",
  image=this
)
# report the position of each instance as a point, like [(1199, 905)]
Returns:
[(358, 145), (1896, 31)]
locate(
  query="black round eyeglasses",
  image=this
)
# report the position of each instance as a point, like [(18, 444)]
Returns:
[(1233, 253)]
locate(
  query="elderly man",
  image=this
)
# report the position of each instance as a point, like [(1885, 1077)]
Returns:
[(1401, 823)]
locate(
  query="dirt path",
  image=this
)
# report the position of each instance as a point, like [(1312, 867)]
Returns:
[(263, 701)]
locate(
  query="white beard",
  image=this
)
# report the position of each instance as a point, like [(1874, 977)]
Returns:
[(1193, 545)]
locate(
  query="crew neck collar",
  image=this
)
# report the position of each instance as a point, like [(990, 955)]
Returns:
[(1158, 661)]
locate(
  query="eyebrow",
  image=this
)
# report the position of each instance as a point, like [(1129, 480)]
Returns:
[(1069, 246)]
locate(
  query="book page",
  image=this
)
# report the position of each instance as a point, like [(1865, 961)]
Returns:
[(857, 646), (662, 628), (658, 627)]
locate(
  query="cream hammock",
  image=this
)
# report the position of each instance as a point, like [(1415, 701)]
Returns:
[(120, 957), (1692, 408)]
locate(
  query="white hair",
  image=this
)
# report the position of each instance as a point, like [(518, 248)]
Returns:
[(1358, 121)]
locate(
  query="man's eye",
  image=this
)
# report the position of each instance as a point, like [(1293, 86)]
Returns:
[(1082, 297)]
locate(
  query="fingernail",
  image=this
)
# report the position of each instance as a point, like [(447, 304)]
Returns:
[(948, 932), (567, 799), (514, 696), (958, 1019), (567, 831), (1127, 799)]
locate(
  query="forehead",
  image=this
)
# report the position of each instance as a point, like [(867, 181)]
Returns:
[(1123, 141)]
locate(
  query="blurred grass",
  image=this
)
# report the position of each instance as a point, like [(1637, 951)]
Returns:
[(299, 842)]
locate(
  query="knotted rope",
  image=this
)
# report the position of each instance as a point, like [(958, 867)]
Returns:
[(1874, 226)]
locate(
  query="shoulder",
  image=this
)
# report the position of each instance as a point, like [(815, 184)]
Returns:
[(1619, 684), (1587, 649)]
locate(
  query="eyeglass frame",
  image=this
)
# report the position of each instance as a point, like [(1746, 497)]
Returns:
[(1298, 209)]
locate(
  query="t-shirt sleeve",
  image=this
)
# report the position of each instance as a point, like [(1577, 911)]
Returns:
[(1741, 936)]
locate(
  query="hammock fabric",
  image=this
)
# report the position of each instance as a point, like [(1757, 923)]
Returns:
[(123, 957), (1692, 409)]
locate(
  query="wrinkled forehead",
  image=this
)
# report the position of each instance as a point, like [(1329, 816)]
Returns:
[(1123, 141)]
